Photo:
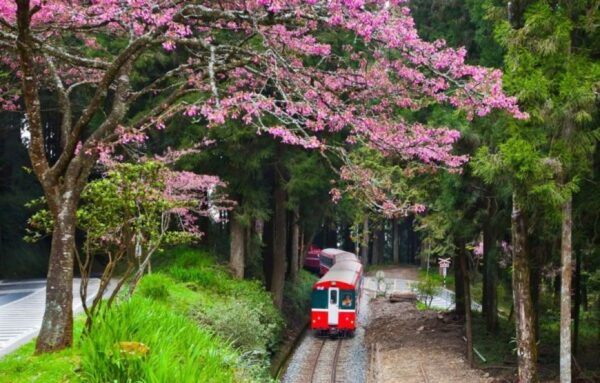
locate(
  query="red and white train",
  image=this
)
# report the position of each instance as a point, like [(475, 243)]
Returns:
[(335, 297)]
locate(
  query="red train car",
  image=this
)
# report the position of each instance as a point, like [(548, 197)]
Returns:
[(328, 258), (335, 297), (311, 262)]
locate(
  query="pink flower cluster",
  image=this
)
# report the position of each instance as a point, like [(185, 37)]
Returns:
[(280, 76)]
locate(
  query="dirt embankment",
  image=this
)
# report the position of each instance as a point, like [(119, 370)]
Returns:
[(407, 345)]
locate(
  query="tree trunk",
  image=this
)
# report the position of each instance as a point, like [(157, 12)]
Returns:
[(279, 245), (364, 249), (57, 326), (459, 286), (377, 250), (490, 279), (236, 254), (295, 248), (526, 343), (577, 303), (395, 241), (467, 303), (565, 293), (535, 276)]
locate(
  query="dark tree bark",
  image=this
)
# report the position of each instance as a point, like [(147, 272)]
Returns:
[(395, 241), (467, 302), (295, 245), (364, 248), (524, 316), (378, 239), (577, 303), (565, 293), (535, 277), (279, 244), (236, 255), (459, 286), (490, 276)]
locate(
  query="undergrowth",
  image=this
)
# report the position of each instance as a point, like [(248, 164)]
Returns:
[(189, 321)]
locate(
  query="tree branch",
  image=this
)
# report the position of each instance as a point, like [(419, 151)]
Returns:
[(31, 96)]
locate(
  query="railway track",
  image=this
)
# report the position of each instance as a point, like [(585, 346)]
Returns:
[(423, 373), (324, 366)]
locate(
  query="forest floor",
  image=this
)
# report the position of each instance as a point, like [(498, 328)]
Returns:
[(408, 345)]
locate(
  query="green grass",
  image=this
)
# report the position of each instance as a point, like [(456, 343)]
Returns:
[(498, 349), (434, 274), (163, 347), (22, 367), (196, 323)]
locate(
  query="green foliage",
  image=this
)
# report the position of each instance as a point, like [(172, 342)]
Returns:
[(155, 286), (127, 205), (177, 349), (22, 366), (207, 293), (427, 288), (297, 295), (253, 335)]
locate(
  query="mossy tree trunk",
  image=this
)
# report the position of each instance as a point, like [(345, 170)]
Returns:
[(565, 293), (236, 256), (524, 318)]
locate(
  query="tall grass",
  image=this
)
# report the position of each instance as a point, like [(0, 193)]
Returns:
[(167, 347)]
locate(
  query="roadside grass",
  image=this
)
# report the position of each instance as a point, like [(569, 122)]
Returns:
[(498, 349), (189, 321), (140, 341), (22, 366), (205, 291)]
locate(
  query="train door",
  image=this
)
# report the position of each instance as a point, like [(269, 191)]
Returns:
[(332, 308)]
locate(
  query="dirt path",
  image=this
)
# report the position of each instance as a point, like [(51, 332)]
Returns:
[(407, 345)]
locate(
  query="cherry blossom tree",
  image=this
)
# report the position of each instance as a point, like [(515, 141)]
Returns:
[(272, 64)]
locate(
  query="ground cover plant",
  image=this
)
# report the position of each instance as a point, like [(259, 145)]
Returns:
[(182, 327)]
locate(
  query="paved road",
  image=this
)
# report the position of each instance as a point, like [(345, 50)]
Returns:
[(22, 309)]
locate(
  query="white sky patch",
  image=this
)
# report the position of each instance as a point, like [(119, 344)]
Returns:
[(25, 134)]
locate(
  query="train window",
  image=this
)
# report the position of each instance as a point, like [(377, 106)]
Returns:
[(333, 297), (347, 300)]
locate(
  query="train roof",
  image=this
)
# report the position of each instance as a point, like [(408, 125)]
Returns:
[(345, 273), (334, 252), (345, 257)]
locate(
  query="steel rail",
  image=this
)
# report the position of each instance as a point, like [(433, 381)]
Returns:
[(335, 361), (314, 367)]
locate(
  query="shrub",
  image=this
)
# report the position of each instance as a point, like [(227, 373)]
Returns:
[(155, 286), (260, 330), (297, 296), (176, 349), (205, 277), (242, 324), (427, 288)]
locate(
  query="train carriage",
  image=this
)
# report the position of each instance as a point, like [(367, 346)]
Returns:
[(328, 258), (311, 261), (336, 297)]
